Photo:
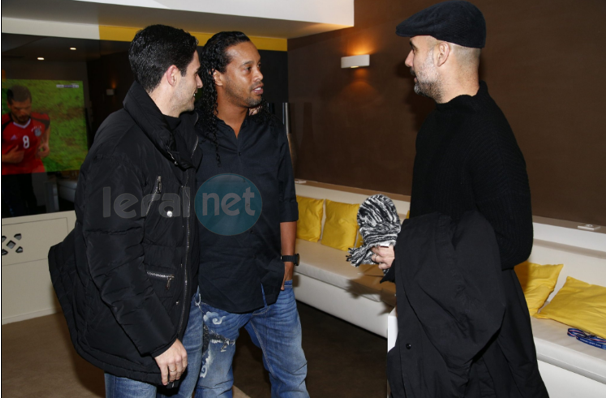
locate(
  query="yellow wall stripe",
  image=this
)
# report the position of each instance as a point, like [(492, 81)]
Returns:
[(117, 33), (124, 34)]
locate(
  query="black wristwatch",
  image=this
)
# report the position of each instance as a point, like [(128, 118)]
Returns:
[(291, 258)]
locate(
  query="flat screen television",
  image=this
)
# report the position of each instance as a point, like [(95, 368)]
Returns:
[(42, 136), (60, 104)]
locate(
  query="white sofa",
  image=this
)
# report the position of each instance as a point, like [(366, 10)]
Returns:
[(569, 368), (325, 280)]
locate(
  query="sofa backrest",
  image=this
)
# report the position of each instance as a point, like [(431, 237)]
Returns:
[(582, 253), (344, 196)]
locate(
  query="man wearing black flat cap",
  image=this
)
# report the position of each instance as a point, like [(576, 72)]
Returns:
[(463, 330)]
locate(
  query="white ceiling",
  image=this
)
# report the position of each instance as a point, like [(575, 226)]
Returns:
[(265, 18)]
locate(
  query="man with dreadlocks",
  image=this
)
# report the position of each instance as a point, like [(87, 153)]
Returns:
[(246, 274)]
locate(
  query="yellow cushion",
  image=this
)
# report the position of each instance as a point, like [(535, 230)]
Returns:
[(538, 282), (309, 226), (340, 227), (579, 305)]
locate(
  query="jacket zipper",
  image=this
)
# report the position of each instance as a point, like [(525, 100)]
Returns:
[(157, 190), (184, 268), (167, 277), (187, 234)]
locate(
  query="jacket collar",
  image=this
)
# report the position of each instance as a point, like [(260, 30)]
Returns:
[(180, 146)]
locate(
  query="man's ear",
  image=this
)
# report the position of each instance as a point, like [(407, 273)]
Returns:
[(443, 52), (218, 78), (171, 75)]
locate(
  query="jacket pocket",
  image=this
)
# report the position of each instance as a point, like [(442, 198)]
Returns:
[(164, 277)]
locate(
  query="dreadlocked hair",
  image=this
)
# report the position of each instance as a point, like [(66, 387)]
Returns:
[(213, 58)]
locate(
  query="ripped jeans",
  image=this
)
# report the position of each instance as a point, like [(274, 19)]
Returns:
[(276, 329)]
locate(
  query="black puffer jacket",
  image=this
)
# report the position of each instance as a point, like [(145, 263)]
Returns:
[(126, 291)]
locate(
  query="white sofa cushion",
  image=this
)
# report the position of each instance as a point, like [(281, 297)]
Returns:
[(330, 266), (554, 346)]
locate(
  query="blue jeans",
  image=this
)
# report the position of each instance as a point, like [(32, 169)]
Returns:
[(121, 387), (276, 329)]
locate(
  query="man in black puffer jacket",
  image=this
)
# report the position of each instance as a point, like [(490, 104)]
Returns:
[(128, 289)]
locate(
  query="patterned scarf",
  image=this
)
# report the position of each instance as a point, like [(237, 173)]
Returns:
[(379, 225)]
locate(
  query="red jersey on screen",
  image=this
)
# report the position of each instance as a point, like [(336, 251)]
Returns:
[(26, 138)]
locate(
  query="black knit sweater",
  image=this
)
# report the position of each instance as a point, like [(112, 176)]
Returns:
[(468, 159)]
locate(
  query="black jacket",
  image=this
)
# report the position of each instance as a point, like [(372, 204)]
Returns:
[(464, 328), (126, 274)]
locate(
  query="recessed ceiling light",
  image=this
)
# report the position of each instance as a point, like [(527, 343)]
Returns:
[(72, 48), (40, 58)]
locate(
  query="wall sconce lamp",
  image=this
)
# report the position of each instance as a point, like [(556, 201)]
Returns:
[(355, 61), (109, 92)]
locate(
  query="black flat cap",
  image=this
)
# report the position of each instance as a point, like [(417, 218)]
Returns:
[(455, 21)]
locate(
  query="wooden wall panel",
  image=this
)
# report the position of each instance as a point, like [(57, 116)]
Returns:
[(543, 64)]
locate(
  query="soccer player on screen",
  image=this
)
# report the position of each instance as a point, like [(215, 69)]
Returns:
[(25, 134)]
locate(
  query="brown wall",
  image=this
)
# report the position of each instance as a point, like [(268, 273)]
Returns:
[(544, 64)]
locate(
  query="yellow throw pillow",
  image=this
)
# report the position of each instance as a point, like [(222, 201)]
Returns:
[(309, 226), (538, 282), (340, 227), (580, 305)]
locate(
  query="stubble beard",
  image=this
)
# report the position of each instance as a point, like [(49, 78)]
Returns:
[(238, 96), (22, 120), (428, 84), (185, 99), (188, 107), (253, 102), (429, 89)]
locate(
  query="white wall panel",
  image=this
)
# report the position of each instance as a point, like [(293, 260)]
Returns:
[(27, 290)]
